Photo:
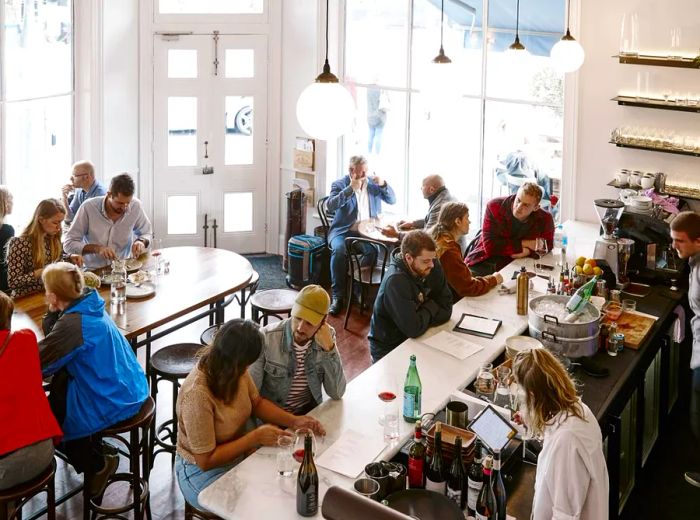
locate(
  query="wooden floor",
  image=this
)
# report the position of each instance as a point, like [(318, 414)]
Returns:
[(166, 500)]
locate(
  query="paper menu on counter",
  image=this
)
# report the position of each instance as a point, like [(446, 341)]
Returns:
[(452, 344), (349, 454)]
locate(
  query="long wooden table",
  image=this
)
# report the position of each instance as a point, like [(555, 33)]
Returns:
[(199, 277)]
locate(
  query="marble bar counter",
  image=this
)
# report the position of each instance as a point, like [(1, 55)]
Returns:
[(254, 490)]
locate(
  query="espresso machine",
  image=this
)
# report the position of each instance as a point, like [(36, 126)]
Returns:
[(607, 247)]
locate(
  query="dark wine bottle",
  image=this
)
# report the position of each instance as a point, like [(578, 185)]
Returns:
[(457, 478), (475, 479), (416, 460), (499, 490), (486, 503), (307, 482), (435, 475)]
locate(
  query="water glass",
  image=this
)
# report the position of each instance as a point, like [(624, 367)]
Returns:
[(285, 462), (675, 53), (629, 305), (391, 420), (502, 397), (485, 384)]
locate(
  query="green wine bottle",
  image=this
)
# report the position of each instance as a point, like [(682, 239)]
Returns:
[(412, 391), (582, 295)]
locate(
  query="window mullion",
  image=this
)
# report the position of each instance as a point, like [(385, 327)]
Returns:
[(407, 131)]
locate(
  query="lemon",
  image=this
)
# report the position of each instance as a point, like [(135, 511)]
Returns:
[(591, 261), (578, 269), (587, 269), (597, 271), (581, 260)]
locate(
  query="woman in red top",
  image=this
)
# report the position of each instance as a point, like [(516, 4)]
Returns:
[(29, 429), (453, 223)]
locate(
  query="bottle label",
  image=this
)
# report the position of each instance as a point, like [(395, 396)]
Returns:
[(473, 493), (415, 472), (438, 487), (455, 494), (409, 401)]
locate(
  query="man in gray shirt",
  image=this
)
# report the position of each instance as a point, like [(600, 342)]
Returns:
[(685, 232), (110, 227)]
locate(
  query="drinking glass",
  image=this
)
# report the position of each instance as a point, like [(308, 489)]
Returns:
[(629, 35), (675, 53), (503, 387), (485, 384), (387, 390), (541, 249), (367, 487), (299, 436), (285, 466), (629, 305), (157, 254)]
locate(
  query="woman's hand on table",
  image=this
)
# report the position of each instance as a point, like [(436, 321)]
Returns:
[(267, 434), (304, 421)]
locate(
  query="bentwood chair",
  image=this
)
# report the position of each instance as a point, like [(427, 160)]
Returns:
[(367, 261)]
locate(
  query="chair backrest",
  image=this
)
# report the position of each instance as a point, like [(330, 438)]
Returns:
[(356, 249), (325, 216), (472, 244), (515, 181)]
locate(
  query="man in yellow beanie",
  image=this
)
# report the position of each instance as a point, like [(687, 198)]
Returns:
[(300, 356)]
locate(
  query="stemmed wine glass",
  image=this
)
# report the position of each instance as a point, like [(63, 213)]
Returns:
[(299, 436), (387, 392), (541, 249)]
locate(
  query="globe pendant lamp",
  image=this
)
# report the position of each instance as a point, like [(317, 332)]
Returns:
[(325, 109), (517, 48), (440, 86), (567, 54)]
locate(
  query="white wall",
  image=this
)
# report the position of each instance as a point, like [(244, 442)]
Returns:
[(603, 77)]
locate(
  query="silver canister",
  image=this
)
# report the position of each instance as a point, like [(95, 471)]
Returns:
[(601, 289)]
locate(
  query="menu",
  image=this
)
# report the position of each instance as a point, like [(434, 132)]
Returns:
[(477, 325), (452, 344), (349, 454)]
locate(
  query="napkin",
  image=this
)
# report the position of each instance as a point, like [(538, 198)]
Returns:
[(508, 287)]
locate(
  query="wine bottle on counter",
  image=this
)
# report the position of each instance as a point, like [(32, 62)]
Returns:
[(457, 478), (416, 460), (412, 391), (307, 482), (499, 490), (435, 475), (475, 479), (486, 503), (582, 295)]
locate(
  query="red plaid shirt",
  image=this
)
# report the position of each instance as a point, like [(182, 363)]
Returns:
[(502, 233)]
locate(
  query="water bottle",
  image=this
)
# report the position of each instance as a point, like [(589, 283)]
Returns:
[(561, 241), (412, 391), (118, 282)]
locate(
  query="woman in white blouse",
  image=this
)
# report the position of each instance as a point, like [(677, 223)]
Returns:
[(572, 478)]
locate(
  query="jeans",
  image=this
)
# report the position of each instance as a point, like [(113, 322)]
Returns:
[(375, 138), (193, 480), (695, 405), (339, 265), (24, 464)]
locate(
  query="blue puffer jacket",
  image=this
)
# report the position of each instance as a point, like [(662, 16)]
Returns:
[(106, 384)]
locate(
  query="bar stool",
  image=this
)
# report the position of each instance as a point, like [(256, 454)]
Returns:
[(242, 298), (26, 491), (170, 363), (137, 446), (272, 302), (192, 512)]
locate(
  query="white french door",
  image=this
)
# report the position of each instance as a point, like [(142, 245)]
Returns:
[(209, 143)]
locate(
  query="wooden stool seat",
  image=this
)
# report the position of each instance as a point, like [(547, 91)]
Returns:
[(272, 302), (192, 512), (24, 492), (175, 361), (141, 419), (207, 337)]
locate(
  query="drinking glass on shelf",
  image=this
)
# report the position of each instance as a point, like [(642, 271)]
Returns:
[(675, 53), (485, 384), (629, 35), (299, 436)]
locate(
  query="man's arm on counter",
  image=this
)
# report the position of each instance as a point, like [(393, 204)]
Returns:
[(410, 318)]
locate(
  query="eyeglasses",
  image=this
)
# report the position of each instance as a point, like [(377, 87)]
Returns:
[(75, 176)]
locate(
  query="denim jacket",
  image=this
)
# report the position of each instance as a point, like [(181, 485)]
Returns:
[(274, 369)]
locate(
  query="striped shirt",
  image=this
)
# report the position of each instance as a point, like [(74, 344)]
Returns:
[(300, 400)]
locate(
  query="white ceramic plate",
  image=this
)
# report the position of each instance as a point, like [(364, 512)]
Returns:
[(143, 290), (516, 344), (132, 264)]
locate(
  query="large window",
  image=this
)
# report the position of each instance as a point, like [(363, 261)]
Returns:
[(36, 101), (499, 117)]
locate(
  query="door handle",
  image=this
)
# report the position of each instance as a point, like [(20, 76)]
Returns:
[(207, 170)]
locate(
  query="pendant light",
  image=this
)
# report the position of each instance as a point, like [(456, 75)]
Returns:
[(567, 54), (325, 108), (516, 47)]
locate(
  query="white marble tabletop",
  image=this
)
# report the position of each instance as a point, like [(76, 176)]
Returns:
[(253, 490)]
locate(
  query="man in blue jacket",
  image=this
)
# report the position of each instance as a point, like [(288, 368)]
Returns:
[(413, 296), (353, 198)]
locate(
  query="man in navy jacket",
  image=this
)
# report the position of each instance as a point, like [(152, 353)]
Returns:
[(353, 198)]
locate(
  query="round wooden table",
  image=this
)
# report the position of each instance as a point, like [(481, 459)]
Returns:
[(368, 229), (199, 277)]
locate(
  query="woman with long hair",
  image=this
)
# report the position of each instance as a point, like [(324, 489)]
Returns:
[(97, 381), (6, 232), (214, 406), (29, 429), (572, 478), (453, 224), (38, 246)]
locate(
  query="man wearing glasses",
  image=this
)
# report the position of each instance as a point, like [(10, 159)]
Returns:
[(82, 187), (510, 230), (110, 227)]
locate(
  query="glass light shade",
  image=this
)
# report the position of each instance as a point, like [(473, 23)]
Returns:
[(325, 110), (567, 55)]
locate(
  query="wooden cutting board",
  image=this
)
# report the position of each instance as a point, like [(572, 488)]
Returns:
[(635, 326)]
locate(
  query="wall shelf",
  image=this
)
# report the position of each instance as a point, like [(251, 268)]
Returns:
[(659, 61), (652, 149), (655, 103)]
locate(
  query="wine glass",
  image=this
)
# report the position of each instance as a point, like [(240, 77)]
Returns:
[(387, 392), (299, 436), (485, 385), (541, 249), (502, 397)]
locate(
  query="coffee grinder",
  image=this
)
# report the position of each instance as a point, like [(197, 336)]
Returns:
[(606, 247)]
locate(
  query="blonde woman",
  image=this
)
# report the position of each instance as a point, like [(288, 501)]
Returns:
[(38, 246), (6, 233), (572, 478), (452, 225)]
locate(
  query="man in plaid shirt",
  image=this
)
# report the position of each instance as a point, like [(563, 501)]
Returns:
[(511, 227)]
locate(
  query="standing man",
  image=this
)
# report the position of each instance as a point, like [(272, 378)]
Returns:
[(353, 198), (510, 230), (685, 232), (300, 356), (110, 227), (84, 187), (413, 296)]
